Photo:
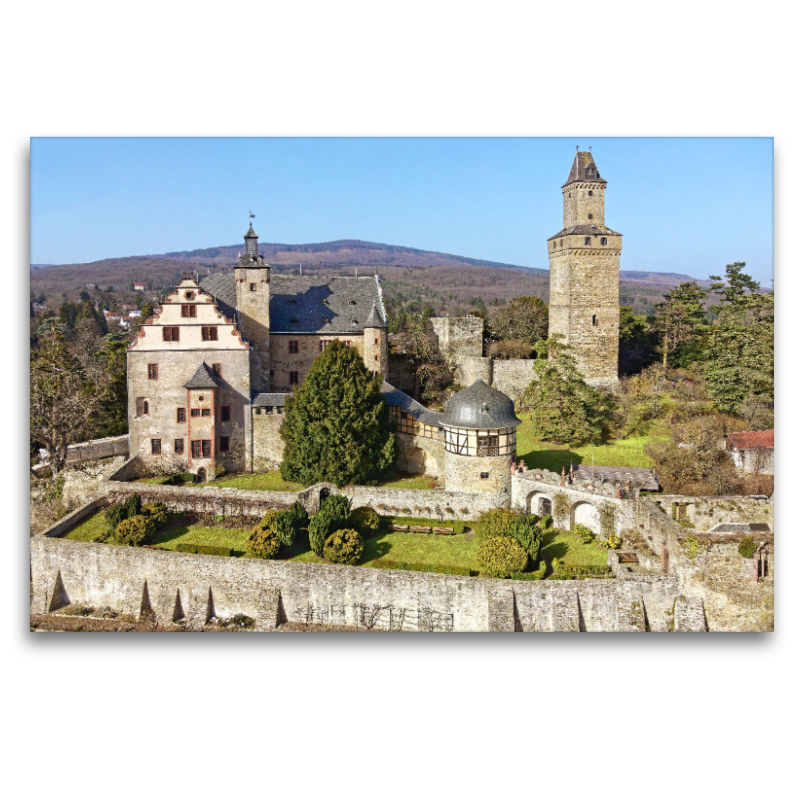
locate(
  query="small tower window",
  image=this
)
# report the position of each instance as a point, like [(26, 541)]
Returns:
[(591, 216), (603, 240), (590, 192), (294, 346), (587, 240), (594, 319), (252, 287)]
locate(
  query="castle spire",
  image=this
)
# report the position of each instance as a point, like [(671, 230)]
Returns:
[(584, 169)]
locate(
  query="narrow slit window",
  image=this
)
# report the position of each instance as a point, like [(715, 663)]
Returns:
[(594, 319)]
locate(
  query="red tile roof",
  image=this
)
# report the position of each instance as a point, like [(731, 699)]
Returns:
[(748, 440)]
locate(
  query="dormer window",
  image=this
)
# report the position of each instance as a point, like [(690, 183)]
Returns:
[(293, 321), (292, 301)]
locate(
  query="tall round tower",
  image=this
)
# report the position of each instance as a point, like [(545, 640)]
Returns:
[(480, 442)]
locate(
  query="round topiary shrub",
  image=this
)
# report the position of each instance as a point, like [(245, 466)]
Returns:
[(133, 531), (500, 556), (344, 547), (497, 522), (157, 512), (365, 520), (263, 542)]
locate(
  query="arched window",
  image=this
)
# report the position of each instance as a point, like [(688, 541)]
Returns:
[(145, 407)]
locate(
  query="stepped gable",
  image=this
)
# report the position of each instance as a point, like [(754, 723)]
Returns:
[(300, 304)]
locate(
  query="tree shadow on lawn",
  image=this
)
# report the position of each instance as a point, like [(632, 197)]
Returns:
[(553, 460), (551, 548), (374, 549)]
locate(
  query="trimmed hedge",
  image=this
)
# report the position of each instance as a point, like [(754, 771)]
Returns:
[(344, 547), (134, 531), (457, 525), (566, 573), (501, 556), (498, 522), (203, 549), (263, 542), (157, 512), (365, 520), (412, 566)]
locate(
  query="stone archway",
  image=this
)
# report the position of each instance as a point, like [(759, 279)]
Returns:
[(539, 503), (584, 513), (201, 475)]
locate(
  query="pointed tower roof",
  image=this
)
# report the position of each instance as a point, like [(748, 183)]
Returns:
[(203, 378), (251, 234), (375, 318), (584, 169)]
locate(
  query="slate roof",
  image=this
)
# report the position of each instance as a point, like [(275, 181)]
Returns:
[(750, 440), (203, 378), (586, 230), (300, 304), (640, 477), (394, 397), (584, 169), (481, 407), (270, 399)]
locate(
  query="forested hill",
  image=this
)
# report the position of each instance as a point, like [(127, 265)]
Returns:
[(410, 276)]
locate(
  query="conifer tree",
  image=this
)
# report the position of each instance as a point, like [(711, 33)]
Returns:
[(336, 426), (564, 408)]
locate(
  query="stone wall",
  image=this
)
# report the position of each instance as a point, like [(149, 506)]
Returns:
[(513, 376), (194, 588), (459, 337), (268, 446), (419, 455), (706, 512)]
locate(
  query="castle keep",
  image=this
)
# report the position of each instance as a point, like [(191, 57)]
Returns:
[(584, 275)]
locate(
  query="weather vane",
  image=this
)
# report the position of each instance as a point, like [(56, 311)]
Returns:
[(252, 216)]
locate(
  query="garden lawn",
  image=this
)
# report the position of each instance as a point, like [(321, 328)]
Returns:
[(429, 549), (89, 528), (400, 480), (259, 481), (568, 548), (545, 455), (179, 530)]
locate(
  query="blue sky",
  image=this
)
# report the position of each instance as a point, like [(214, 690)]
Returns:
[(689, 205)]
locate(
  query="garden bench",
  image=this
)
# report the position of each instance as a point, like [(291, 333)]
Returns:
[(393, 527), (446, 531)]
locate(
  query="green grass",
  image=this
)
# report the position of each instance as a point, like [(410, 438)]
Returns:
[(259, 481), (458, 550), (400, 480), (180, 531), (545, 455), (89, 528), (568, 548)]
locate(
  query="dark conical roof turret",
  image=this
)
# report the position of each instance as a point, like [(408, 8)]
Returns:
[(584, 169), (480, 406), (251, 234)]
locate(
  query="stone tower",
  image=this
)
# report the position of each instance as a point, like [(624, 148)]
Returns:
[(584, 276), (251, 276), (480, 442)]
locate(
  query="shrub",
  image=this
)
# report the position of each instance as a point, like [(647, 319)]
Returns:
[(203, 549), (288, 524), (584, 534), (365, 520), (336, 505), (157, 512), (240, 621), (344, 547), (747, 547), (133, 531), (332, 516), (546, 522), (497, 522), (529, 535), (263, 541), (501, 556), (613, 542), (132, 506), (565, 572)]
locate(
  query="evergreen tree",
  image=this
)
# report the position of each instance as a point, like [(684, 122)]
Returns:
[(336, 426), (564, 408), (682, 322), (741, 345)]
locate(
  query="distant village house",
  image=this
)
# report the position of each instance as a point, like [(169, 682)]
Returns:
[(752, 451)]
